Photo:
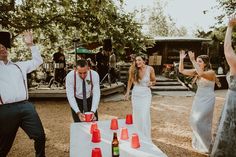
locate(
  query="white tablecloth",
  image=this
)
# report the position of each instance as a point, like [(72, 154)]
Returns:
[(81, 145)]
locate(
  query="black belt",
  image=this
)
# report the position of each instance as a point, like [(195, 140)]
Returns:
[(13, 103), (82, 98)]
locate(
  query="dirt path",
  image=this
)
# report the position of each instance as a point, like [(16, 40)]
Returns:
[(170, 127)]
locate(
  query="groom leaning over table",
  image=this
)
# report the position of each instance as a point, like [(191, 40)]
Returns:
[(83, 91)]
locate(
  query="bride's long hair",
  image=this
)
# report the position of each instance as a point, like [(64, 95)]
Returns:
[(136, 75)]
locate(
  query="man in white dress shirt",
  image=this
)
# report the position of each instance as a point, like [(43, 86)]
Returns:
[(75, 94), (15, 109)]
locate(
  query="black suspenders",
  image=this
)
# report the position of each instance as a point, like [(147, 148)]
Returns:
[(26, 91)]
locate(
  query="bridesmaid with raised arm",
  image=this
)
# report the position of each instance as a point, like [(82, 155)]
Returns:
[(204, 100), (224, 145)]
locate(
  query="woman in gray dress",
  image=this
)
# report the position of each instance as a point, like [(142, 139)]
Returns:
[(204, 100), (225, 141)]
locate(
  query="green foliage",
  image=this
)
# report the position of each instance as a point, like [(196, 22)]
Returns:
[(217, 35), (56, 23), (229, 7)]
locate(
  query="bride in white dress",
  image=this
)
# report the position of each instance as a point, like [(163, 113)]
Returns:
[(142, 77), (203, 102)]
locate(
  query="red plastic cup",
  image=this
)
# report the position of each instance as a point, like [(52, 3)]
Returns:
[(129, 119), (96, 152), (124, 134), (114, 124), (93, 126), (135, 141), (88, 116), (96, 137)]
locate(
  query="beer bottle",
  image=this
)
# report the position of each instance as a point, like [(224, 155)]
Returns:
[(115, 146)]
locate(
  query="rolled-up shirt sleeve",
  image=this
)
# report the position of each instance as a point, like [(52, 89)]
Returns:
[(96, 91), (30, 65), (70, 91)]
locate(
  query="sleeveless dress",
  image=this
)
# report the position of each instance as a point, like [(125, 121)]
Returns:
[(141, 102), (202, 114), (225, 141)]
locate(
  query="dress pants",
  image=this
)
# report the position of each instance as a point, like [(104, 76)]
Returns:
[(60, 75), (80, 105), (20, 114), (113, 75)]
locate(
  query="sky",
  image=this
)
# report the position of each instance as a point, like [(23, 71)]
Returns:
[(187, 13)]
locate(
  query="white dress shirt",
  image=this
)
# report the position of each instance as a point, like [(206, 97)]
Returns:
[(79, 89), (112, 61), (12, 87)]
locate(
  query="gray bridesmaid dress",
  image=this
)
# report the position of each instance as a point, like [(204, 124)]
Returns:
[(225, 141), (202, 114)]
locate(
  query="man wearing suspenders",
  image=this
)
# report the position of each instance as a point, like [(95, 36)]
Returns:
[(15, 109), (83, 91)]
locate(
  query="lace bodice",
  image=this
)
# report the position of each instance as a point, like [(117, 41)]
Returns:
[(146, 78)]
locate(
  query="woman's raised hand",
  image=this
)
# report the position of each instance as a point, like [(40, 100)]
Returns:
[(182, 54), (232, 20), (191, 55)]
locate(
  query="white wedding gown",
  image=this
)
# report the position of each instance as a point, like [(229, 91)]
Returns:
[(202, 114), (141, 102)]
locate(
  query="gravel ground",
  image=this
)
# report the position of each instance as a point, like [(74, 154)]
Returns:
[(170, 126)]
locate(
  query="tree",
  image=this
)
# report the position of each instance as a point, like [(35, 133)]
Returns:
[(218, 32), (158, 23), (58, 22), (229, 6)]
